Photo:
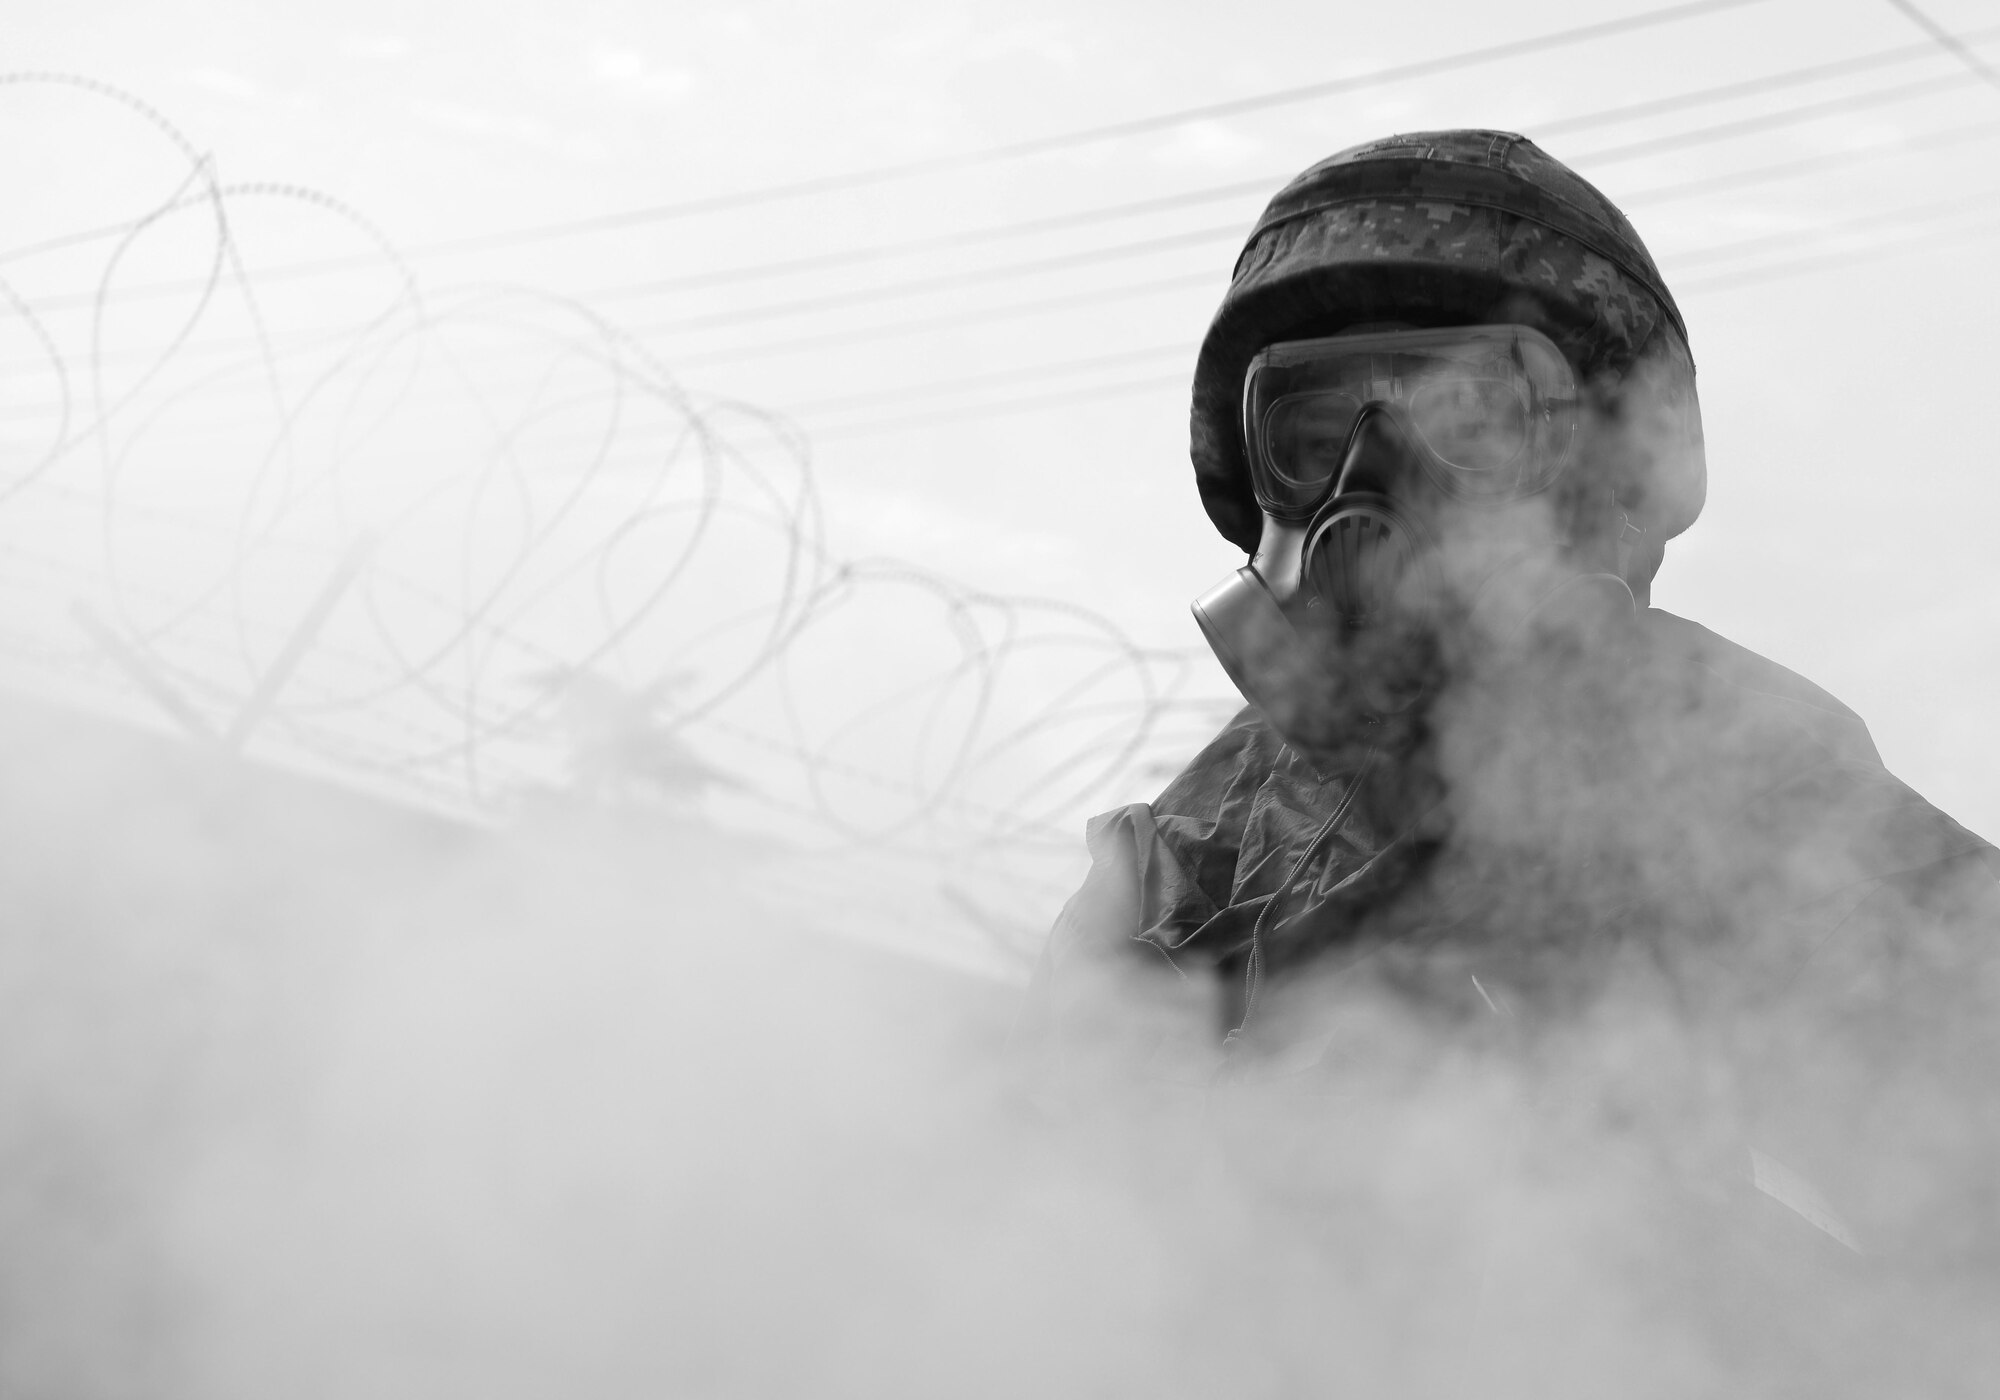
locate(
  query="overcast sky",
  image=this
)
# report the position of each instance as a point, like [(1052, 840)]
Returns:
[(1846, 348)]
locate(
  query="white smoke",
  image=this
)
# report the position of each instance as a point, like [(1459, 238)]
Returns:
[(302, 1094), (305, 1096)]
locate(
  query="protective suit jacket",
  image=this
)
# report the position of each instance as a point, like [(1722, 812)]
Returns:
[(1683, 813)]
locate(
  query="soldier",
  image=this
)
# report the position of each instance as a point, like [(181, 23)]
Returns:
[(1448, 409)]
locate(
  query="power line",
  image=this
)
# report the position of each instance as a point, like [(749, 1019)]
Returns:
[(1808, 165), (850, 257), (1023, 403), (1758, 175), (82, 236), (1683, 101), (1014, 150), (1657, 194), (1792, 267), (1609, 155), (1093, 296), (916, 286), (1917, 215), (1129, 291), (1119, 211), (1755, 87), (1951, 43), (1003, 407), (1795, 77), (1726, 280), (1746, 277), (1935, 211), (1705, 135), (1030, 402), (818, 262), (1085, 257), (828, 184), (1766, 121), (934, 387)]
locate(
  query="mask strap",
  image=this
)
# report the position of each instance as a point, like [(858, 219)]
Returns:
[(1630, 537)]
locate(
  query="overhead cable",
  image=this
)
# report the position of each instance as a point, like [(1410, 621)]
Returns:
[(1767, 121), (1725, 92), (1953, 44), (1921, 217), (1610, 155), (915, 286), (1796, 266), (1041, 145)]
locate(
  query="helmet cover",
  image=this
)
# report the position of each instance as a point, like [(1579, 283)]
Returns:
[(1436, 229)]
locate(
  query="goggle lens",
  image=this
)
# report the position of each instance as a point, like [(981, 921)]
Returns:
[(1475, 424), (1307, 436)]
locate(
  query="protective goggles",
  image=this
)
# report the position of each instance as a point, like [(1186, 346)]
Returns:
[(1491, 410)]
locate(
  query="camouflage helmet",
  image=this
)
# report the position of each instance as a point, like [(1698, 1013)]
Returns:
[(1444, 228)]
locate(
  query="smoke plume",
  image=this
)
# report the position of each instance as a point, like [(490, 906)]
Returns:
[(309, 1095)]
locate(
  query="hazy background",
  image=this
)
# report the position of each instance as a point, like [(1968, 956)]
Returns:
[(738, 452), (1007, 410)]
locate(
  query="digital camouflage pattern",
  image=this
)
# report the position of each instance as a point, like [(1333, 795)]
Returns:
[(1434, 228)]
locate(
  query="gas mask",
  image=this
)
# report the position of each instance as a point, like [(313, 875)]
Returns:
[(1397, 473)]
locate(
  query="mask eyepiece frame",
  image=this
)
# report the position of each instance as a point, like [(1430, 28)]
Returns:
[(1491, 409)]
